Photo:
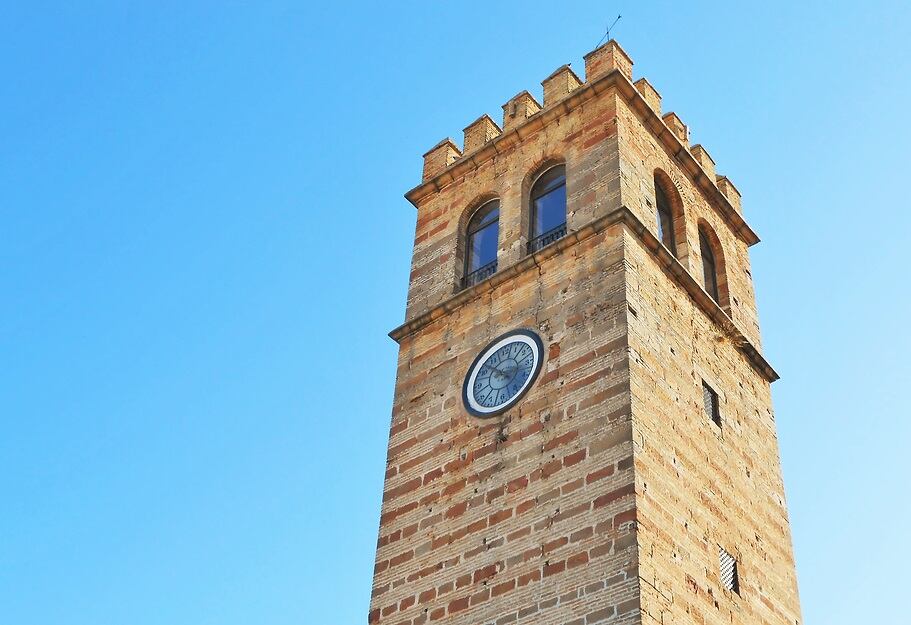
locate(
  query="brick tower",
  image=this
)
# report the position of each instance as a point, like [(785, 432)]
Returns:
[(630, 473)]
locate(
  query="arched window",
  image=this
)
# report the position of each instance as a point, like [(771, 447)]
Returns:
[(669, 215), (548, 208), (665, 217), (481, 239), (709, 266)]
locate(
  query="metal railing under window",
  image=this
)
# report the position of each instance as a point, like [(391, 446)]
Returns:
[(547, 238), (479, 275)]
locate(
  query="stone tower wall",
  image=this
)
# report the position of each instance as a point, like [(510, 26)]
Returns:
[(642, 152), (528, 517), (582, 137), (602, 496), (700, 486)]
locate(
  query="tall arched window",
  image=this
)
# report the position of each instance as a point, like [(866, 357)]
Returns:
[(481, 238), (709, 266), (665, 217), (548, 208), (669, 215)]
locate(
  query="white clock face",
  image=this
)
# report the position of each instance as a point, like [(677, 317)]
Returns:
[(502, 373)]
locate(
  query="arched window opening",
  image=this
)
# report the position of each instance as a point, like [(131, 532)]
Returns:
[(481, 241), (665, 218), (548, 208), (709, 266)]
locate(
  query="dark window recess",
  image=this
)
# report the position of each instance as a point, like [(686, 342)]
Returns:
[(728, 570), (710, 402), (548, 208), (481, 241), (665, 219), (709, 270)]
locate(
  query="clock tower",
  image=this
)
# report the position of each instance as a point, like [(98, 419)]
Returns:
[(582, 429)]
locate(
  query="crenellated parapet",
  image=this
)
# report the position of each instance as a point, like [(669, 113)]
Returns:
[(702, 157), (560, 84), (562, 89), (439, 157), (479, 132), (730, 191), (519, 108), (607, 58), (676, 126), (649, 94)]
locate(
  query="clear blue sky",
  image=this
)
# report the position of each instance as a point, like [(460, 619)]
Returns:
[(204, 242)]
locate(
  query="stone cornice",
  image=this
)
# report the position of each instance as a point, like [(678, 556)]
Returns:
[(662, 255), (651, 119)]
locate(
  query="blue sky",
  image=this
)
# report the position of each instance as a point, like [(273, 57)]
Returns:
[(204, 242)]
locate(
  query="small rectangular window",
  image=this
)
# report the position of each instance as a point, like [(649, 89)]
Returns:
[(710, 402), (728, 570)]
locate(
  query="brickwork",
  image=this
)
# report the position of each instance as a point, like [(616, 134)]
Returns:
[(699, 485), (641, 155), (584, 139), (559, 84), (529, 514), (605, 493)]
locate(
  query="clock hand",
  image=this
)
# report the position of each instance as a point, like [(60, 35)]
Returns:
[(493, 370), (501, 374)]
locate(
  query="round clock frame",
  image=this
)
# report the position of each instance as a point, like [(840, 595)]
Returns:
[(527, 337)]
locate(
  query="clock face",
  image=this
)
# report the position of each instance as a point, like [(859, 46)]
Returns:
[(502, 372)]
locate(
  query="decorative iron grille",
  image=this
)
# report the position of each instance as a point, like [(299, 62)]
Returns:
[(547, 238), (479, 275)]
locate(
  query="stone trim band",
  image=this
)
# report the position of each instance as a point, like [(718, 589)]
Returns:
[(664, 257)]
